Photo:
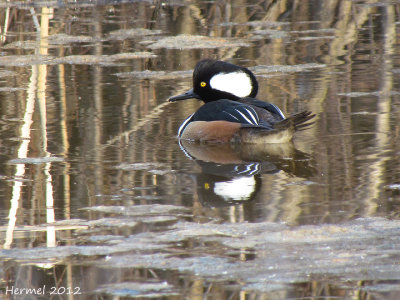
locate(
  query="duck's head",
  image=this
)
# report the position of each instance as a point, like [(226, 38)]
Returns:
[(214, 80)]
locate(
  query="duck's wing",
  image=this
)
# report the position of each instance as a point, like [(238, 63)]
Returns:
[(272, 108), (229, 111)]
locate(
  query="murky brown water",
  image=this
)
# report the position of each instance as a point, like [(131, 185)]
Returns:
[(99, 200)]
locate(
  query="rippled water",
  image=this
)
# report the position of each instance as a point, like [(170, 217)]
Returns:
[(100, 200)]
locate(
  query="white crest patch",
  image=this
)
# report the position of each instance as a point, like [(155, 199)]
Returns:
[(236, 83), (238, 189)]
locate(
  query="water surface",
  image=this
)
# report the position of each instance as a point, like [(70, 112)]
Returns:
[(99, 199)]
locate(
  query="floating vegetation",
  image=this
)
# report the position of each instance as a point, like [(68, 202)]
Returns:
[(138, 166), (11, 89), (310, 38), (308, 31), (185, 41), (283, 254), (155, 168), (59, 225), (7, 73), (25, 60), (393, 186), (139, 210), (100, 59), (262, 69), (272, 34), (138, 289), (65, 39), (113, 222), (123, 34), (36, 160), (365, 94), (29, 44), (261, 23), (155, 74), (28, 60), (293, 253), (53, 40), (258, 70), (89, 220)]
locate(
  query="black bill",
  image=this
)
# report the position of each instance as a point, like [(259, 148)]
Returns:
[(188, 95)]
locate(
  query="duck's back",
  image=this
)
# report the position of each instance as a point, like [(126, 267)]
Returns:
[(233, 121)]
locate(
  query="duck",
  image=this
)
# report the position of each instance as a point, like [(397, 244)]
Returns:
[(231, 113)]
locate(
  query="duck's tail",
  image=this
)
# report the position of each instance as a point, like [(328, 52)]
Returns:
[(281, 132), (299, 121)]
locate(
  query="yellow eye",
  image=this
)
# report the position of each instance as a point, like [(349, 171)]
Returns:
[(203, 84), (207, 186)]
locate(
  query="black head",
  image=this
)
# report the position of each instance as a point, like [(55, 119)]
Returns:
[(214, 80)]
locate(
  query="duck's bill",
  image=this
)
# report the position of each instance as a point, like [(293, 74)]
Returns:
[(188, 95)]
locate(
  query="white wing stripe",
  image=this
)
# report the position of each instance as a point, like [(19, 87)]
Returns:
[(253, 116), (243, 116), (247, 119), (279, 111), (231, 115)]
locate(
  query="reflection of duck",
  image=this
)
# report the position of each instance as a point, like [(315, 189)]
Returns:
[(231, 173), (249, 159), (231, 113)]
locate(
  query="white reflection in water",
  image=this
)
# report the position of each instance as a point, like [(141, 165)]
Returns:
[(237, 189)]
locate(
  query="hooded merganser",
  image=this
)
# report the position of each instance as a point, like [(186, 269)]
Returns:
[(231, 113)]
